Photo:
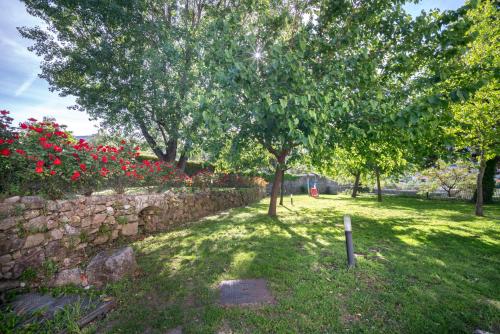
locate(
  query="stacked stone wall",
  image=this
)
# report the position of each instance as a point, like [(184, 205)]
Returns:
[(34, 231)]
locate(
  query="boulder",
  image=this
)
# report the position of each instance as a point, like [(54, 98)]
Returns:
[(111, 266), (69, 276)]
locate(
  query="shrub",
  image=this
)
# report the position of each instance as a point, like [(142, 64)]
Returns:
[(43, 158)]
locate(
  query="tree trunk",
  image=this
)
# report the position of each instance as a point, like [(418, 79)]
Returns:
[(171, 150), (356, 185), (150, 140), (182, 161), (379, 190), (479, 185), (274, 191), (282, 189)]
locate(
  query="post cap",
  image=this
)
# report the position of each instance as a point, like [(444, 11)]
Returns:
[(347, 223)]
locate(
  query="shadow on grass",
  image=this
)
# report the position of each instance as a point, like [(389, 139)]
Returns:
[(412, 275)]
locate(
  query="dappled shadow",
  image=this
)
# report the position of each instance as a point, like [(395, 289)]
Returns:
[(413, 275)]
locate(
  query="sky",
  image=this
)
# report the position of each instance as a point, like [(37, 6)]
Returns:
[(26, 95)]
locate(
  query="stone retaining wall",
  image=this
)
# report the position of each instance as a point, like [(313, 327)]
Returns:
[(34, 231)]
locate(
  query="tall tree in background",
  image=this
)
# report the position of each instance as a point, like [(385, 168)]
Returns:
[(132, 64), (469, 83)]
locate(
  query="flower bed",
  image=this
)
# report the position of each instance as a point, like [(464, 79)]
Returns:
[(42, 158)]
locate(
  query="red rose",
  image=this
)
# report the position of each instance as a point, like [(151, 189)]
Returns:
[(39, 163), (75, 176), (94, 156), (22, 152), (24, 126), (5, 152), (57, 148), (57, 161), (39, 130), (52, 172), (83, 167), (104, 159), (39, 170), (124, 167)]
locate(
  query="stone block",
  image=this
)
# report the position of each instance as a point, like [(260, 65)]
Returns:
[(111, 266), (56, 234), (33, 202), (34, 240), (99, 219), (68, 276), (36, 224), (101, 239), (13, 199), (8, 223), (130, 229), (29, 214)]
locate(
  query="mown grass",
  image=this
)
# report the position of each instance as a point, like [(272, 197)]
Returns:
[(423, 267)]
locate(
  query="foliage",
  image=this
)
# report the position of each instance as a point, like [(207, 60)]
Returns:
[(449, 177), (132, 64)]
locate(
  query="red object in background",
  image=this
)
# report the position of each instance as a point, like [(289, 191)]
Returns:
[(314, 192)]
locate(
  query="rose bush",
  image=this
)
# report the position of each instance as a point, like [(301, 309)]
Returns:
[(43, 158)]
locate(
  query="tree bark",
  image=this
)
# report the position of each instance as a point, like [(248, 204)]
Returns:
[(274, 191), (182, 161), (379, 190), (356, 185), (150, 140), (171, 150), (479, 185), (282, 188)]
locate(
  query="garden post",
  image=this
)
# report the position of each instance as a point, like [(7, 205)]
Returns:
[(351, 261)]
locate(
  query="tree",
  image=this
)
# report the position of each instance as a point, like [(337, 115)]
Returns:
[(449, 177), (462, 82), (131, 64), (263, 70)]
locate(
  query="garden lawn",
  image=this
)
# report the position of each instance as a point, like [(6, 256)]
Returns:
[(422, 267)]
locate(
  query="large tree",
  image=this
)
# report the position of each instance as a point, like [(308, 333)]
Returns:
[(131, 64), (463, 82)]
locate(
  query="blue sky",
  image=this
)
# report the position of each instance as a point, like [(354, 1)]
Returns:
[(26, 95)]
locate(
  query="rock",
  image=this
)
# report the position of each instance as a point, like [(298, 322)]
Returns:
[(51, 224), (65, 205), (101, 239), (68, 276), (110, 211), (7, 223), (4, 259), (56, 234), (75, 220), (130, 229), (111, 266), (31, 214), (37, 224), (99, 219), (32, 202), (71, 230), (99, 208), (34, 240), (13, 199), (86, 222)]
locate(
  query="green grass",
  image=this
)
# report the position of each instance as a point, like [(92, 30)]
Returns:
[(423, 267)]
